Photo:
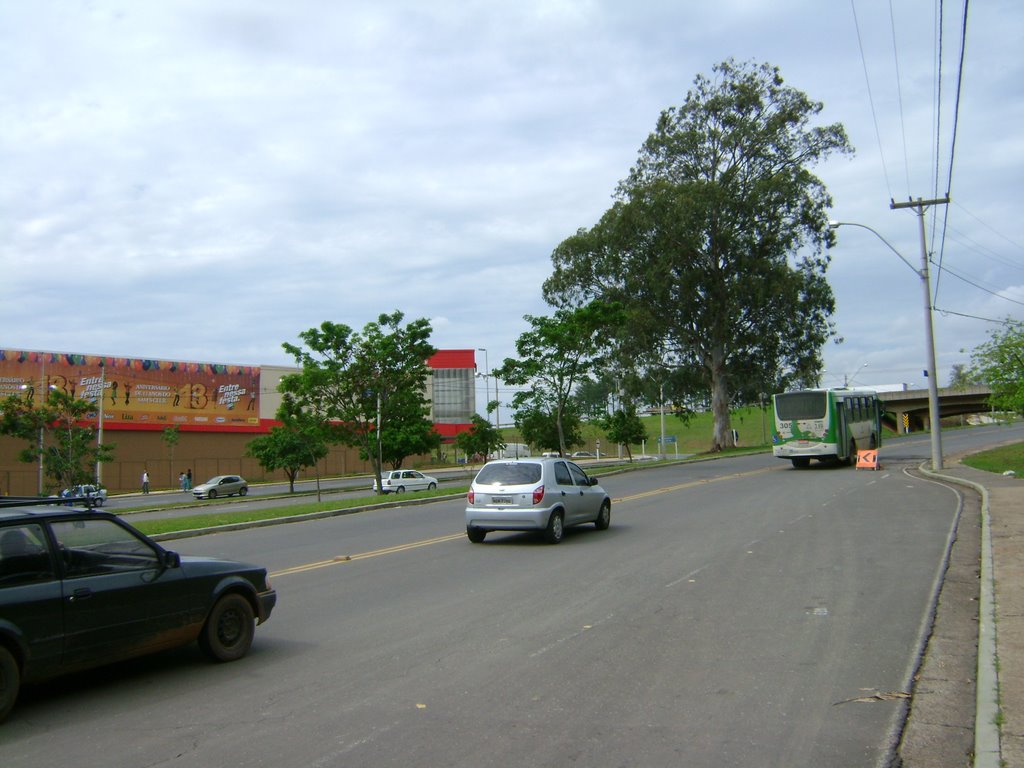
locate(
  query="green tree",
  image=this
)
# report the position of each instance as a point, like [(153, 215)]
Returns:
[(715, 246), (999, 362), (481, 439), (554, 356), (541, 427), (961, 376), (358, 387), (171, 437), (289, 449), (593, 395), (625, 427), (408, 431), (69, 450)]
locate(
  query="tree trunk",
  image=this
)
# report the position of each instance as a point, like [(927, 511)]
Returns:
[(722, 437)]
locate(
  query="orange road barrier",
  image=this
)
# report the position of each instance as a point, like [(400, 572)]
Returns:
[(868, 459)]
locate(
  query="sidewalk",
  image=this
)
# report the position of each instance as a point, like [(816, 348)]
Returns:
[(999, 723)]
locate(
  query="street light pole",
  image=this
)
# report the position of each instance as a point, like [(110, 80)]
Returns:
[(922, 273), (487, 375)]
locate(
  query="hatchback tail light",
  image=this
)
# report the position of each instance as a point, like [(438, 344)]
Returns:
[(538, 494), (471, 497)]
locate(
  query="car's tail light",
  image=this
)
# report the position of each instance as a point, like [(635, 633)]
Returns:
[(538, 494), (471, 497)]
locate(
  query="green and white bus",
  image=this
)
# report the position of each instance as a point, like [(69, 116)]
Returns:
[(825, 424)]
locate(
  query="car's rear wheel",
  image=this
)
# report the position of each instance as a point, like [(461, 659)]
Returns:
[(10, 682), (400, 489), (556, 528), (229, 629), (243, 490), (476, 535), (212, 494), (604, 517)]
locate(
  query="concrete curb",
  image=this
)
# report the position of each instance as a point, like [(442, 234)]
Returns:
[(987, 750)]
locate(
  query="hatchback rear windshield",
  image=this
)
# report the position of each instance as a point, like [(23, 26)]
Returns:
[(509, 474)]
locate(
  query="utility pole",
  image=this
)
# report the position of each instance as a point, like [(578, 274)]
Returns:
[(934, 416), (99, 421)]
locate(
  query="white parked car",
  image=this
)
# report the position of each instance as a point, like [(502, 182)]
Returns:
[(402, 480)]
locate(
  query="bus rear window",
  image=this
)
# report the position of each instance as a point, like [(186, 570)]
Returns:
[(793, 406)]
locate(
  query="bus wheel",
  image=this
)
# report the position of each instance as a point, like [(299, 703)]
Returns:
[(801, 463), (851, 457)]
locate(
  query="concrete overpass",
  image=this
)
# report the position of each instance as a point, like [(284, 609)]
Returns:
[(908, 410)]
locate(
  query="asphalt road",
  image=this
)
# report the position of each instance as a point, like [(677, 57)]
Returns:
[(737, 612)]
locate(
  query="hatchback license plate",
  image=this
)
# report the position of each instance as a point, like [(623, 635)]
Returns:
[(501, 499)]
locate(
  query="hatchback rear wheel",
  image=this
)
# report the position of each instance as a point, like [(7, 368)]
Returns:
[(476, 535), (556, 527)]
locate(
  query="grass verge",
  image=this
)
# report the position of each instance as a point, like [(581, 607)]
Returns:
[(228, 517), (999, 460)]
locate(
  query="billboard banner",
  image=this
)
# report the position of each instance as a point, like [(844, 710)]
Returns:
[(140, 394)]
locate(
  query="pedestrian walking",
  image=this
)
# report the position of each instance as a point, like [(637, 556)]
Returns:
[(145, 481)]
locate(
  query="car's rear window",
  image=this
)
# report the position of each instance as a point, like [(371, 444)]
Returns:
[(509, 474)]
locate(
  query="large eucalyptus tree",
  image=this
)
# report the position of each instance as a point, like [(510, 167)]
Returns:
[(716, 243)]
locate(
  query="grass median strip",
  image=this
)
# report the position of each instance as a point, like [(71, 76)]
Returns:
[(228, 517)]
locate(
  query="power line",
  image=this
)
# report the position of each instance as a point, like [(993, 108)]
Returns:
[(1004, 321), (899, 94), (953, 273), (989, 227), (956, 123), (871, 98)]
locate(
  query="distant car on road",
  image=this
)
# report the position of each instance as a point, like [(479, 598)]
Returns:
[(222, 485), (583, 455), (81, 588), (402, 480), (95, 494), (542, 494)]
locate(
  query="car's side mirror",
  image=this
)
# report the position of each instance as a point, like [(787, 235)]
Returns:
[(593, 480), (171, 560)]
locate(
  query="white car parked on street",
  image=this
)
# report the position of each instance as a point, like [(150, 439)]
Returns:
[(402, 480)]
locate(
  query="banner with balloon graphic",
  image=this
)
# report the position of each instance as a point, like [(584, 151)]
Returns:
[(140, 393)]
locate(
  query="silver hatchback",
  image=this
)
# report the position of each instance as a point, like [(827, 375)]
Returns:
[(540, 494)]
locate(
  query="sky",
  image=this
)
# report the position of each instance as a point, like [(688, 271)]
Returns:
[(203, 180)]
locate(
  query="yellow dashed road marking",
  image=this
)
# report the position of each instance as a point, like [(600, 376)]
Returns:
[(341, 559)]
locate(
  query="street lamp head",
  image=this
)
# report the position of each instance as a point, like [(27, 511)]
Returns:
[(833, 224)]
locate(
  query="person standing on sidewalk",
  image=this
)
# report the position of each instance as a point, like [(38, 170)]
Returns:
[(145, 481)]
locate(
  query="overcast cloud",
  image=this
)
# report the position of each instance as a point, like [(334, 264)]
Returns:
[(205, 179)]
